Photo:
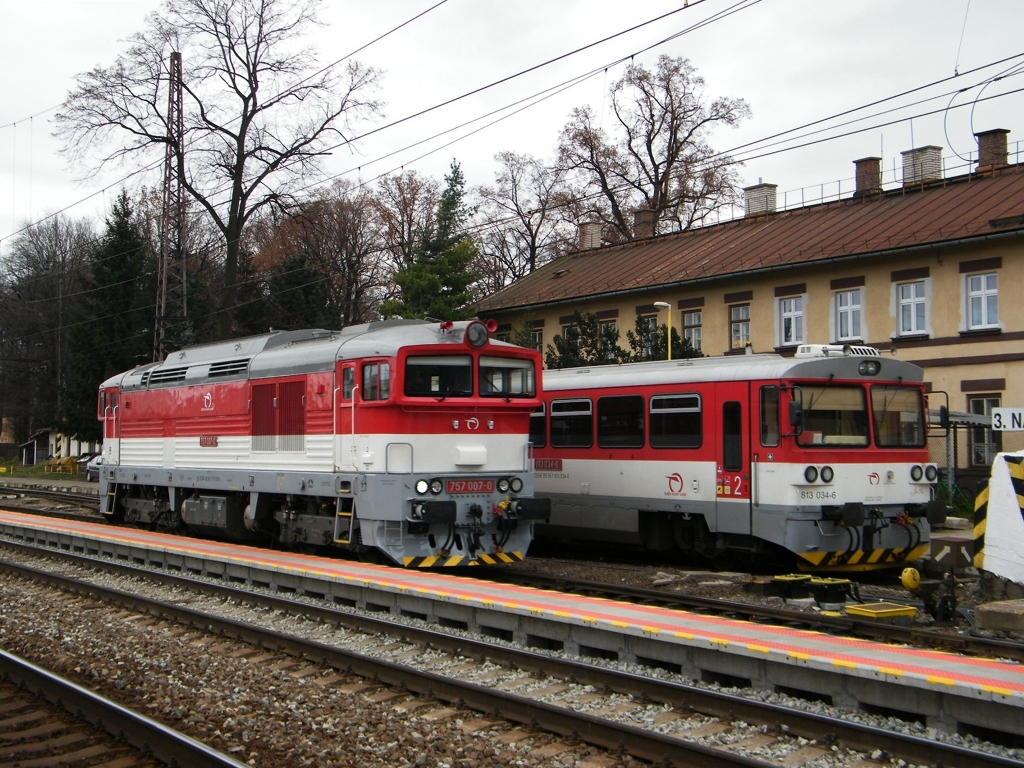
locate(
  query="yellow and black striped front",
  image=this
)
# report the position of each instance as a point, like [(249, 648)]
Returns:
[(449, 561), (860, 559), (980, 523)]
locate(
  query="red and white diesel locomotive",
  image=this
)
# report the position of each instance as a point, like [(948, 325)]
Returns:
[(403, 436), (823, 455)]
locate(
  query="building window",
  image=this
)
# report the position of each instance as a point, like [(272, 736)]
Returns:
[(692, 329), (739, 318), (913, 306), (791, 320), (648, 327), (848, 307), (537, 340), (505, 336), (983, 300), (609, 339), (985, 443)]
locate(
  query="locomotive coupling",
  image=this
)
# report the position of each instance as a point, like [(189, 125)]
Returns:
[(531, 509), (435, 511)]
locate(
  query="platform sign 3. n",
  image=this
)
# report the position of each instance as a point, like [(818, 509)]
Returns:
[(1008, 419)]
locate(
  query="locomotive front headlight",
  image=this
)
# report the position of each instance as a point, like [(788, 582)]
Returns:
[(931, 473), (827, 474), (516, 485), (503, 485), (916, 473), (476, 334), (422, 486), (436, 486), (869, 368), (811, 474)]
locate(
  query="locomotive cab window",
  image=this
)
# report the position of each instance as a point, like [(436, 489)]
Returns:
[(676, 421), (376, 381), (572, 423), (769, 416), (538, 428), (834, 415), (439, 376), (620, 422), (348, 383), (899, 422), (506, 377)]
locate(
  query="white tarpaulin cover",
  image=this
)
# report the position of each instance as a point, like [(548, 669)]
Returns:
[(1004, 532)]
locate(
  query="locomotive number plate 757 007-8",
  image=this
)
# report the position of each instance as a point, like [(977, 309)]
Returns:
[(470, 486)]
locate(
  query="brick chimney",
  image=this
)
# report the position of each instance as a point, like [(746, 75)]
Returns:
[(759, 198), (991, 149), (590, 235), (644, 222), (921, 165), (869, 176)]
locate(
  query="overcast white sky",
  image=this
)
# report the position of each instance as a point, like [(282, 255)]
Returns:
[(793, 61)]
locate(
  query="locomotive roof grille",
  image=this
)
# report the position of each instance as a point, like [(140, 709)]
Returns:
[(167, 375), (229, 367)]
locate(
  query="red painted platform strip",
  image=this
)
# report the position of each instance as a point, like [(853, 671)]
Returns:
[(933, 667)]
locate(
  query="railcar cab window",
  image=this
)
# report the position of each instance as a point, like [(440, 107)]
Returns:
[(572, 423), (376, 381), (769, 416), (676, 421), (620, 421), (898, 417), (348, 383), (834, 415), (538, 428), (506, 377), (439, 376)]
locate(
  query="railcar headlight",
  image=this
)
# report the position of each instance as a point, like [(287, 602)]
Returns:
[(931, 473), (811, 474), (916, 473), (516, 485), (422, 486), (503, 485), (476, 334), (869, 368), (827, 474), (436, 486)]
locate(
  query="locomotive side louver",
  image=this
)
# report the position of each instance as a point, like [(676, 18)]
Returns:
[(229, 367), (167, 375)]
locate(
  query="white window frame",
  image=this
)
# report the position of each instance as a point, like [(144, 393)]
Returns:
[(609, 354), (693, 327), (913, 302), (741, 321), (850, 311), (986, 296), (791, 309), (537, 339)]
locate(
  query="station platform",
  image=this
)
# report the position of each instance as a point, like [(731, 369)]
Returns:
[(946, 688)]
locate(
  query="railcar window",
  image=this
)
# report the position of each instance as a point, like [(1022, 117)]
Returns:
[(620, 421), (439, 376), (538, 428), (506, 377), (898, 417), (572, 424), (834, 415), (348, 383), (376, 381), (769, 415), (732, 436), (676, 421)]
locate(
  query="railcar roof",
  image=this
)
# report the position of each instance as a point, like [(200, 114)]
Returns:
[(761, 367)]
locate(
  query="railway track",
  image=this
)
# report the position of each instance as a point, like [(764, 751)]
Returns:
[(48, 720), (650, 718), (840, 625)]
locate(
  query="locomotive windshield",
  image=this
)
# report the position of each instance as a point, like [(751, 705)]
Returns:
[(898, 417), (506, 377), (834, 415), (439, 376)]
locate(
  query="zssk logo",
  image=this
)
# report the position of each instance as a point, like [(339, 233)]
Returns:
[(675, 484), (472, 423), (873, 478), (207, 402)]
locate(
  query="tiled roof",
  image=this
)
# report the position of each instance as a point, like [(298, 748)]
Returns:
[(962, 208)]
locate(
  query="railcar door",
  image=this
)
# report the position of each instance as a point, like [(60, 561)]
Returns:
[(110, 403), (733, 457), (345, 416)]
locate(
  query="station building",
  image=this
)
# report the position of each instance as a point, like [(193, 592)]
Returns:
[(930, 270)]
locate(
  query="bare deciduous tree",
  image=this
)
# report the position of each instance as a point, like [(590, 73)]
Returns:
[(658, 158), (258, 114)]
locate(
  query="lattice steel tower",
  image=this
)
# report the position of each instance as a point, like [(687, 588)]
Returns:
[(171, 306)]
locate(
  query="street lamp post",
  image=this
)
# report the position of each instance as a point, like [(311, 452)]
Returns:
[(668, 323)]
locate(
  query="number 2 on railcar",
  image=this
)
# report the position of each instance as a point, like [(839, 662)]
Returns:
[(406, 437), (823, 456)]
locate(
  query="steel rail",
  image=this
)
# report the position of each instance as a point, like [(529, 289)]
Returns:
[(808, 725), (165, 744), (972, 645)]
